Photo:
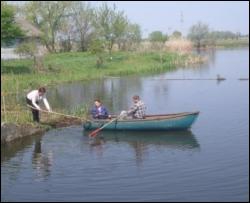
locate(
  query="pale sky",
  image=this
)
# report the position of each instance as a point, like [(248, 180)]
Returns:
[(165, 16)]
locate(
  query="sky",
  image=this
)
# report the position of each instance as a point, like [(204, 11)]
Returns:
[(168, 16), (165, 16)]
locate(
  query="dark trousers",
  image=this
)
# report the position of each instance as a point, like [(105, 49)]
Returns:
[(35, 112)]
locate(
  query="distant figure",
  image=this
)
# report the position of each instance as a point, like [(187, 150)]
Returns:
[(33, 98), (99, 111), (219, 77), (137, 111)]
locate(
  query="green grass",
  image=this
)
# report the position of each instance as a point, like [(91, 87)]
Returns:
[(66, 67)]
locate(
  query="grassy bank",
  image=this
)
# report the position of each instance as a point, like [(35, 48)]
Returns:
[(65, 67), (18, 76), (229, 43)]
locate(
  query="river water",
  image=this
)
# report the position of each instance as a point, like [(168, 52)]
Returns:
[(210, 162)]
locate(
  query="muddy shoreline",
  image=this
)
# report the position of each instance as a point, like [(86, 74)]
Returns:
[(12, 131)]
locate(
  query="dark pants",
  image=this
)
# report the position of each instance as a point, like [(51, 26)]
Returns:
[(102, 117), (35, 112)]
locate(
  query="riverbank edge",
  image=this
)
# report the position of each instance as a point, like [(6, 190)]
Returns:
[(12, 131)]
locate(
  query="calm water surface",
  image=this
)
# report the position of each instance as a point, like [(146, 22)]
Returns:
[(210, 162)]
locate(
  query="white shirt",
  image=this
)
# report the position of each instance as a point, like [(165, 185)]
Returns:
[(34, 97)]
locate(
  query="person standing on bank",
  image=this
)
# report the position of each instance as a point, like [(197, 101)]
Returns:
[(33, 98)]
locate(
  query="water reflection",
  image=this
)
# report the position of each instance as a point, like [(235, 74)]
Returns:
[(9, 150), (141, 141), (41, 162), (68, 96)]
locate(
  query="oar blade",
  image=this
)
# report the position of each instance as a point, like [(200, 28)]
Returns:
[(94, 133)]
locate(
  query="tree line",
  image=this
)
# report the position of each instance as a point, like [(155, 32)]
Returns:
[(76, 25), (66, 24), (73, 22)]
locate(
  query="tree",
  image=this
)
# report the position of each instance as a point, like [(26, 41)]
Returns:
[(9, 28), (157, 36), (48, 16), (30, 49), (120, 28), (198, 33), (110, 24), (66, 34), (134, 33), (97, 48), (132, 36), (83, 16), (177, 34)]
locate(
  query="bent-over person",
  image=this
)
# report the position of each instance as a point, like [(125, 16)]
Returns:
[(33, 99)]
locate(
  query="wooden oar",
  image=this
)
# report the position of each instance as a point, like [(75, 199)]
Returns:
[(94, 133)]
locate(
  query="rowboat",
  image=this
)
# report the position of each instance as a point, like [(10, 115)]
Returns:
[(178, 121)]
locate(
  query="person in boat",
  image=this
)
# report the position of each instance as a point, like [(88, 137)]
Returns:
[(33, 99), (137, 111), (99, 111)]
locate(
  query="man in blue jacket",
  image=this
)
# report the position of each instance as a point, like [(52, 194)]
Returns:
[(99, 111)]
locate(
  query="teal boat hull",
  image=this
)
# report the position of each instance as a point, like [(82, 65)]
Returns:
[(179, 121)]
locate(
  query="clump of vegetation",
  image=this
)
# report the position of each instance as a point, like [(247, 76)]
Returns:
[(97, 48), (81, 111), (180, 45)]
